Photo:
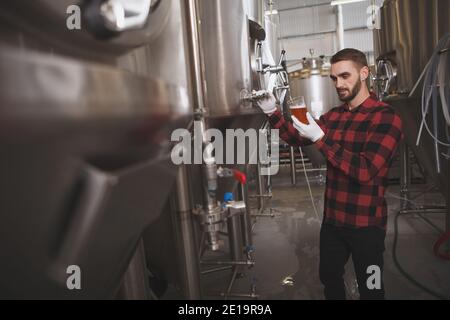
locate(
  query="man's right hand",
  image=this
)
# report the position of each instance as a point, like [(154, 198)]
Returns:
[(268, 104)]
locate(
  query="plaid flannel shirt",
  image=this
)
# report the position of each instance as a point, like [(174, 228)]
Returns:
[(359, 145)]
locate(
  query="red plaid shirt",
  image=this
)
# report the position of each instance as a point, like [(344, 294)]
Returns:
[(359, 146)]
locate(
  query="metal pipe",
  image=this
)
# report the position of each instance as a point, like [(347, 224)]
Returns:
[(434, 226), (307, 35), (216, 270), (246, 221), (426, 210), (340, 28), (235, 238), (405, 176), (423, 210), (196, 72), (233, 278), (327, 4), (240, 295), (232, 263), (292, 156), (268, 196), (182, 219), (312, 170), (269, 141), (259, 186), (211, 212)]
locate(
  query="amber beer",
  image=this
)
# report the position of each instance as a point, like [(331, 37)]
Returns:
[(298, 109)]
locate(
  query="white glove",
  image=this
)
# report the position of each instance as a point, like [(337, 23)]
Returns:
[(268, 104), (311, 131)]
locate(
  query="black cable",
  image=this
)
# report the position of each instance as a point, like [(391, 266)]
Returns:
[(402, 271)]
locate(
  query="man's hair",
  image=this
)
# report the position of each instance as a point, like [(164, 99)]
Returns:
[(350, 54)]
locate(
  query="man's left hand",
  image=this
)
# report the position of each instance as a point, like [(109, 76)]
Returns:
[(311, 131)]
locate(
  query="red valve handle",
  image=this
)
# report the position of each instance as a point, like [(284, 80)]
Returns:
[(240, 176)]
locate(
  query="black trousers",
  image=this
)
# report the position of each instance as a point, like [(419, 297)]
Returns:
[(366, 246)]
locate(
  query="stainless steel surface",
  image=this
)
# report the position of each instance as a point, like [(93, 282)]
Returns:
[(225, 45), (410, 112), (235, 238), (54, 89), (188, 264), (212, 215), (246, 221), (135, 282), (122, 15), (197, 76), (313, 82), (410, 30), (259, 187), (23, 18), (87, 152), (89, 124)]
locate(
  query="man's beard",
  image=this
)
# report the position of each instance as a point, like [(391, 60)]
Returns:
[(352, 94)]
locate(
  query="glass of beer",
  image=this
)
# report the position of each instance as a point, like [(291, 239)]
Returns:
[(298, 109)]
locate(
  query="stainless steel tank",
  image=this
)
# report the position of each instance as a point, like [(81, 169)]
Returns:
[(313, 82), (410, 30), (225, 49), (86, 155), (409, 33)]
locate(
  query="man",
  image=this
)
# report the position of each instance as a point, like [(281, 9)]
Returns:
[(358, 139)]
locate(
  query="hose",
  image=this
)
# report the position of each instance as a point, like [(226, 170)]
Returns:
[(402, 271), (436, 247), (435, 73)]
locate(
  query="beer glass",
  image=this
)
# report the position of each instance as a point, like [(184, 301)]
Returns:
[(298, 109)]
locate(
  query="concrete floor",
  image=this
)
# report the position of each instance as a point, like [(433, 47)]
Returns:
[(287, 251)]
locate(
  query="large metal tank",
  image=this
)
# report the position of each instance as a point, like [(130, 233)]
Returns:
[(224, 70), (410, 30), (225, 49), (86, 163), (313, 82)]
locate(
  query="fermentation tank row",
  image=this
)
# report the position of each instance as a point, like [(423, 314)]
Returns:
[(87, 117)]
